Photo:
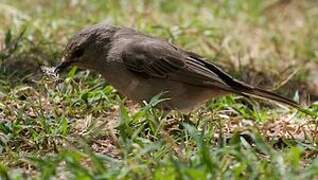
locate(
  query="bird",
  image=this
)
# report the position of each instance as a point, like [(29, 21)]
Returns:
[(141, 66)]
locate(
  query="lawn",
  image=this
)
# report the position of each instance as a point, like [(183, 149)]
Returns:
[(77, 126)]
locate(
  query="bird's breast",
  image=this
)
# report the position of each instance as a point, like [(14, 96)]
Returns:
[(138, 88)]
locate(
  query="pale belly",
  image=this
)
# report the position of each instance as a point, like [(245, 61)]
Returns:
[(182, 97)]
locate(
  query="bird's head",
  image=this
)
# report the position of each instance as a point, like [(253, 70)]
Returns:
[(86, 48)]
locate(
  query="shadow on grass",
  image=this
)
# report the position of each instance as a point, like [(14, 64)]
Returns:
[(21, 59)]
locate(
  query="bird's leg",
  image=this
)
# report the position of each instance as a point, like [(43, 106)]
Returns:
[(186, 118), (163, 120)]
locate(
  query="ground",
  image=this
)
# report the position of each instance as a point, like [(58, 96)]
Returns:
[(77, 126)]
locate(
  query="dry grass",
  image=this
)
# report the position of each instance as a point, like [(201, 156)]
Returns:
[(77, 126)]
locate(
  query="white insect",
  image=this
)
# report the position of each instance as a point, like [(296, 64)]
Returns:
[(50, 71)]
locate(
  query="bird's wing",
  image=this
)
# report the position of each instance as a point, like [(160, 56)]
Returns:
[(159, 59)]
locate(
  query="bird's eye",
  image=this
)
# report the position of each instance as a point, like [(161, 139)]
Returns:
[(78, 53)]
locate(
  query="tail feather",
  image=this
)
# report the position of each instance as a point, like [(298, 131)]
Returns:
[(263, 94), (271, 96), (244, 89)]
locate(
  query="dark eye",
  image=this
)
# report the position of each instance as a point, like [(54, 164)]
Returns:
[(78, 53)]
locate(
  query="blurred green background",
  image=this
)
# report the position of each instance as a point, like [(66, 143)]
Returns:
[(263, 42)]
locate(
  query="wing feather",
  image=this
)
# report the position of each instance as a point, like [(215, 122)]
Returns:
[(159, 59)]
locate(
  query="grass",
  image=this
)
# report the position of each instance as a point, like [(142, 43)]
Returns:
[(79, 127)]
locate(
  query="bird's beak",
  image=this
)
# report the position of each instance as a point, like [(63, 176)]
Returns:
[(63, 65)]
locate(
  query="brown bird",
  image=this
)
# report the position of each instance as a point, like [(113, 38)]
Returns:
[(140, 67)]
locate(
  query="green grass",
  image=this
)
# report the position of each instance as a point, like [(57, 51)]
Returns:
[(79, 127)]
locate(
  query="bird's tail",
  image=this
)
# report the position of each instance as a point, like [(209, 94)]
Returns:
[(261, 93), (244, 89), (264, 94)]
